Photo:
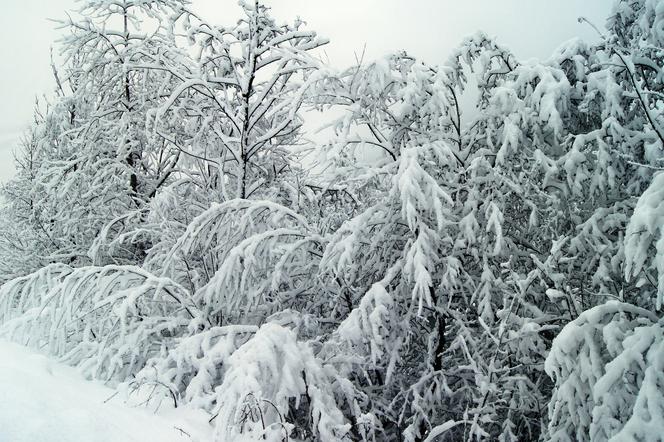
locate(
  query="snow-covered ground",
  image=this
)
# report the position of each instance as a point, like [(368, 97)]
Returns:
[(42, 400)]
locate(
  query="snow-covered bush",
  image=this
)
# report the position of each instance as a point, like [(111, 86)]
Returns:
[(607, 365), (274, 385), (190, 371), (107, 320), (644, 239), (245, 260)]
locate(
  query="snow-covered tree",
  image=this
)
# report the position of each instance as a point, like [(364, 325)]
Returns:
[(613, 202), (241, 103), (444, 259), (89, 158)]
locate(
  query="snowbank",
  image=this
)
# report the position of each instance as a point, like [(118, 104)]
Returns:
[(42, 400)]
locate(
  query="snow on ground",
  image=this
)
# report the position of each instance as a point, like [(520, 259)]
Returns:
[(44, 401)]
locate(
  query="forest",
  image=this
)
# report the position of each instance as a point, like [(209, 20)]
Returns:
[(412, 269)]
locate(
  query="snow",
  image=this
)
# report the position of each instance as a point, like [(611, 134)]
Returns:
[(43, 400)]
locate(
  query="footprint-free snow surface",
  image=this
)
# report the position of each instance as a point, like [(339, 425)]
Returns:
[(43, 401)]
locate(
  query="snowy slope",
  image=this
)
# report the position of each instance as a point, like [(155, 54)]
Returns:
[(41, 400)]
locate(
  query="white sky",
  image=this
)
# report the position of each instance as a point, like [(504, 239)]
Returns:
[(428, 29)]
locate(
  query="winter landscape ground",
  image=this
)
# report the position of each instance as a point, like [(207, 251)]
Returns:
[(466, 251), (44, 401)]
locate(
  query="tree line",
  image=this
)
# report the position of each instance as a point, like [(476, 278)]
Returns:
[(425, 274)]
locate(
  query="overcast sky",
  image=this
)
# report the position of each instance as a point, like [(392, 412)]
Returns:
[(428, 29)]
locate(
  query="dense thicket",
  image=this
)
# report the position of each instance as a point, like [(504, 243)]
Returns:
[(427, 274)]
